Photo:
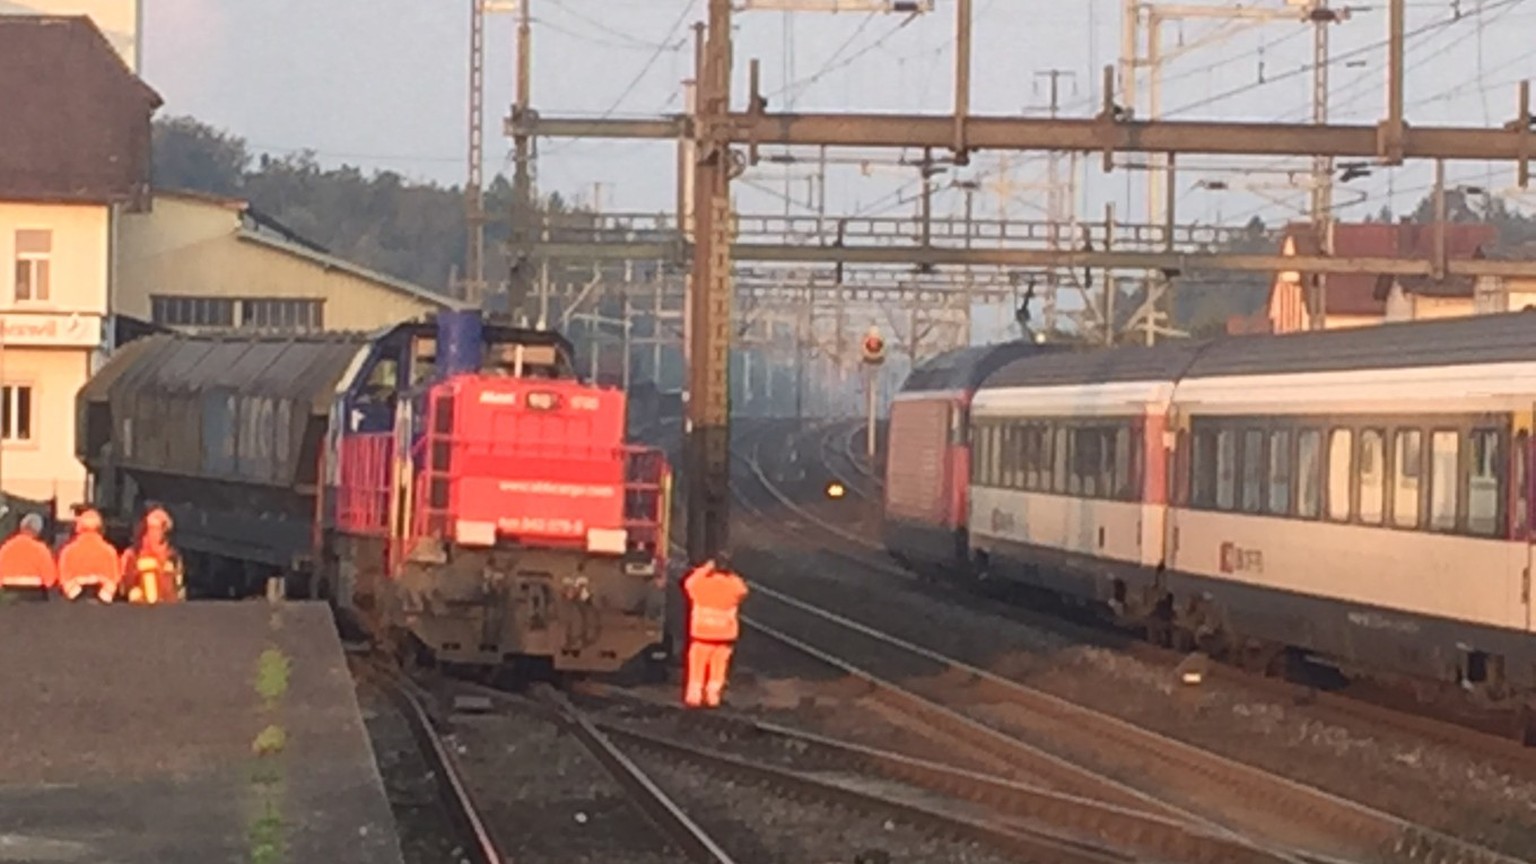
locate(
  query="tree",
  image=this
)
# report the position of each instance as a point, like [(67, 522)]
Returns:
[(413, 231)]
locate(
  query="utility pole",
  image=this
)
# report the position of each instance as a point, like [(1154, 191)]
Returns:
[(474, 194), (523, 210), (1061, 201), (710, 340)]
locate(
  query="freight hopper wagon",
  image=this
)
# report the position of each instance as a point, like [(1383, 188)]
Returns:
[(451, 486)]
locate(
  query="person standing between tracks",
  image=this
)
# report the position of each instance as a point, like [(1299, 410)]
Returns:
[(27, 570), (89, 561), (151, 566), (714, 593)]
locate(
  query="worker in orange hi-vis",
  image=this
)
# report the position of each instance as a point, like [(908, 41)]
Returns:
[(151, 566), (89, 562), (714, 595), (27, 570)]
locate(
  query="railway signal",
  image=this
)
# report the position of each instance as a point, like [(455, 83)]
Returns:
[(874, 347)]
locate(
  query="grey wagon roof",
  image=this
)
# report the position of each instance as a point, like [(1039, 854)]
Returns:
[(1504, 338)]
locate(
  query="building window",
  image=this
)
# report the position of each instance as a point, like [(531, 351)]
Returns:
[(264, 314), (16, 413), (34, 253), (192, 311), (250, 313)]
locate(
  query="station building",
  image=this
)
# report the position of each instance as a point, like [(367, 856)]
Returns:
[(74, 164)]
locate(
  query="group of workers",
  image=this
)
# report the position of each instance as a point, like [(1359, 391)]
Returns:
[(88, 567)]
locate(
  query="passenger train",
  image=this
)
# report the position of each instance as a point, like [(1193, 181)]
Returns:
[(1361, 497)]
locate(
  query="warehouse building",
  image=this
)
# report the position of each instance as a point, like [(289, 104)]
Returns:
[(202, 262), (74, 163)]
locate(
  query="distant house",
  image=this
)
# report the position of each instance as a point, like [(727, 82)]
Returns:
[(1364, 299), (196, 261), (74, 162)]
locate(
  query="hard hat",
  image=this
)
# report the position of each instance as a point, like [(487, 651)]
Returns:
[(89, 520), (32, 524)]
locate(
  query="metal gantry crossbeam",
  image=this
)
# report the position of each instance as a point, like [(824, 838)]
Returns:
[(715, 136)]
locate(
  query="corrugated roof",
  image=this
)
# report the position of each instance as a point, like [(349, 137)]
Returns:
[(297, 367), (76, 122)]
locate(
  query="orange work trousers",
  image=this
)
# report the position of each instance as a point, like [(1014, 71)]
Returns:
[(707, 665)]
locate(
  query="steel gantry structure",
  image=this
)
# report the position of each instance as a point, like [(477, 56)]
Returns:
[(721, 141)]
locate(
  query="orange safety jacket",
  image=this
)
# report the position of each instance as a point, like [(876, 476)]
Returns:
[(152, 573), (89, 559), (27, 562), (714, 596)]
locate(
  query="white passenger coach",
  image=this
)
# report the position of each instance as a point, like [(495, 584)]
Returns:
[(1357, 495)]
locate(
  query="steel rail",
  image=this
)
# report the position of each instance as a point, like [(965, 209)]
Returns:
[(1039, 844), (665, 813), (1499, 747), (1367, 830), (480, 845), (1135, 831)]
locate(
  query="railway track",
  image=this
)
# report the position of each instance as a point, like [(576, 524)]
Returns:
[(991, 709), (1031, 819), (1472, 734), (1099, 757)]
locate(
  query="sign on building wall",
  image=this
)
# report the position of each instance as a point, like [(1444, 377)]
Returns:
[(49, 330), (118, 20)]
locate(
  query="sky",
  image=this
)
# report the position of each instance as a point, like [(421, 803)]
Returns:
[(382, 85)]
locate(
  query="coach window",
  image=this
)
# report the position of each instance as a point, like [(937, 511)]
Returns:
[(1340, 468), (1521, 514), (1203, 469), (1279, 500), (1047, 457), (1407, 468), (1483, 482), (1011, 455), (1373, 481), (1226, 469), (1122, 480), (1309, 458), (1059, 463), (1252, 492), (1135, 484), (1444, 453)]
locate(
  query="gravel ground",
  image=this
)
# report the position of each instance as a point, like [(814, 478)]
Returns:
[(426, 834), (777, 684), (1385, 768), (547, 798), (757, 825)]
